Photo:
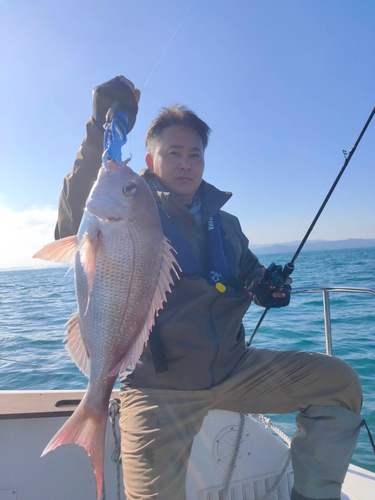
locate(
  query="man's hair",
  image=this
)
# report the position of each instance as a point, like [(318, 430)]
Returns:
[(175, 115)]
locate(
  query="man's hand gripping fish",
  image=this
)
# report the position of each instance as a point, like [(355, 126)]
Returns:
[(123, 265)]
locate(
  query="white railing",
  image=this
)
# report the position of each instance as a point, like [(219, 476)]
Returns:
[(326, 305)]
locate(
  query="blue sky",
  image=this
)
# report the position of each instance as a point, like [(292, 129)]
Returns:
[(284, 85)]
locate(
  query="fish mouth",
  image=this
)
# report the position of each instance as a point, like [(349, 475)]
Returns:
[(112, 218)]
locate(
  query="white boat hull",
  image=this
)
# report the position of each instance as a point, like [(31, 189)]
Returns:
[(28, 420)]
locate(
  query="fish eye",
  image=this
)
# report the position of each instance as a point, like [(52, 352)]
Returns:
[(129, 189)]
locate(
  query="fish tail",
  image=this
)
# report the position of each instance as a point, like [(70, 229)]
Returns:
[(87, 429)]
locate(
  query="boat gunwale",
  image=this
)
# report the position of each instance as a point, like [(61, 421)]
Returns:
[(16, 404)]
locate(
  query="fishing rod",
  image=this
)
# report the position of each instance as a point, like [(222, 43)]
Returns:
[(289, 268), (21, 362)]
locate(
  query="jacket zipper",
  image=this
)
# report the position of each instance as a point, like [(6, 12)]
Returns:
[(215, 338)]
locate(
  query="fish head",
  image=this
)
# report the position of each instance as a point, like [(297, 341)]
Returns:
[(119, 193)]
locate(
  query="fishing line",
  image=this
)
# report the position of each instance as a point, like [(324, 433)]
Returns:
[(157, 64), (21, 362), (168, 44)]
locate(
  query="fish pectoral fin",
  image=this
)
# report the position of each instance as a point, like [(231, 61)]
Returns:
[(169, 263), (132, 356), (88, 250), (59, 251), (75, 346)]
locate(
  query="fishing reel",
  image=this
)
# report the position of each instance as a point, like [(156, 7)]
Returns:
[(274, 280)]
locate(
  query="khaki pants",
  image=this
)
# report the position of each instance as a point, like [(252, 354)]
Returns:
[(158, 426)]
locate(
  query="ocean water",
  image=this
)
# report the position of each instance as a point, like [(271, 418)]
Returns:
[(35, 305)]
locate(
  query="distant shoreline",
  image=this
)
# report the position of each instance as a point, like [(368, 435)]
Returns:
[(277, 248), (313, 246)]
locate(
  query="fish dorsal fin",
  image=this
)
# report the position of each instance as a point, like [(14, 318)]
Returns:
[(88, 250), (169, 263), (75, 346), (59, 251)]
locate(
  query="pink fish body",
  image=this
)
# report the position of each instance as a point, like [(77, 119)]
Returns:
[(123, 266)]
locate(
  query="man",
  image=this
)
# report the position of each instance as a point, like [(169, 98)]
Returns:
[(196, 359)]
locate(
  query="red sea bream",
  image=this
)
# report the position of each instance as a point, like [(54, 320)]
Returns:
[(123, 265)]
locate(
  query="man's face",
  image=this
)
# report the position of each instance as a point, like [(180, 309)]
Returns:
[(178, 160)]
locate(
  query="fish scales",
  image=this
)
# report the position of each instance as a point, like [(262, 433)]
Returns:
[(125, 268)]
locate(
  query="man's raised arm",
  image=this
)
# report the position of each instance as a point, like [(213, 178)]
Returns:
[(78, 184)]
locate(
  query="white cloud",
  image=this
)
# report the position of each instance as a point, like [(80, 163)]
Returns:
[(23, 233)]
